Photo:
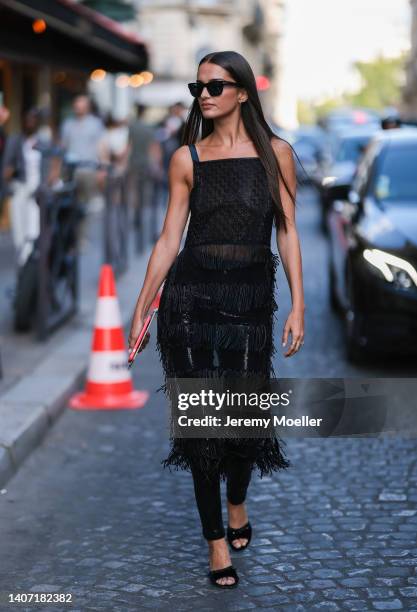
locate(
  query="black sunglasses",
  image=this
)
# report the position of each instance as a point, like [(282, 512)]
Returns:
[(215, 88)]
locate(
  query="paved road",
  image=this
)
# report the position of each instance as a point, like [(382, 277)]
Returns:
[(93, 514)]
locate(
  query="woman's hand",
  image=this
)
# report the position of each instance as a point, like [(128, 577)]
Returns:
[(295, 326), (135, 329)]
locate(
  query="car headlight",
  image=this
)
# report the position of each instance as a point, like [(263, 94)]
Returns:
[(393, 268), (328, 180)]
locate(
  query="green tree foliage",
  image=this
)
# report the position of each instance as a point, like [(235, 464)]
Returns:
[(381, 82), (381, 79)]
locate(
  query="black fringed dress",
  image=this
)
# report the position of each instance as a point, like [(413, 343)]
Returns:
[(218, 302)]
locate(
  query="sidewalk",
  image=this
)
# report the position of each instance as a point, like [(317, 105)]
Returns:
[(39, 377)]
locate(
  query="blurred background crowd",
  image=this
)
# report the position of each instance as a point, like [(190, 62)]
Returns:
[(92, 142)]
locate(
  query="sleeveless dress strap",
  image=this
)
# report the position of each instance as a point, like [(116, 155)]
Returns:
[(193, 151)]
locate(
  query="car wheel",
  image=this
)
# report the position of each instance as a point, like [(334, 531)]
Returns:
[(324, 207), (334, 302), (26, 296), (355, 349), (323, 221)]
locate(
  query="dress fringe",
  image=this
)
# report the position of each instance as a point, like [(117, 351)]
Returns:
[(209, 454), (181, 323), (238, 297)]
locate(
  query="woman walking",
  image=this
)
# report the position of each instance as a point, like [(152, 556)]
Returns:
[(217, 305)]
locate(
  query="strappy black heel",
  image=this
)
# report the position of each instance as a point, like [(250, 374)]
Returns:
[(241, 532), (225, 572)]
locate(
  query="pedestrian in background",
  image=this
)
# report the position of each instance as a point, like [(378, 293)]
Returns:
[(113, 145), (141, 139), (165, 143), (170, 135), (141, 167), (179, 110), (22, 171), (80, 137)]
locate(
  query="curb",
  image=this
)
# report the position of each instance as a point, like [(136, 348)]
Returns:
[(34, 403)]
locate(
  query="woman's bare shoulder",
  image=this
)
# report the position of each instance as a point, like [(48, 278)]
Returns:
[(181, 166), (284, 155), (181, 161), (282, 148), (181, 155)]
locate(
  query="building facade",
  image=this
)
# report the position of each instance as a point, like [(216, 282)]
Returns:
[(179, 33)]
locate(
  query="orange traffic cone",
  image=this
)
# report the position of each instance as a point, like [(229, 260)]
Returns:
[(109, 383)]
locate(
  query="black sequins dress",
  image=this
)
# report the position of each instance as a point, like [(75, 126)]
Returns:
[(218, 302)]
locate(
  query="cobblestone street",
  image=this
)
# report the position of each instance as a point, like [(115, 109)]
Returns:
[(92, 513)]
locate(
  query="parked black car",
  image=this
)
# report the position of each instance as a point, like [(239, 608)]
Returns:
[(347, 150), (373, 248), (312, 145)]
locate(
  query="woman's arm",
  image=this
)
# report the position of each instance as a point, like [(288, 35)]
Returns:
[(167, 246), (289, 249)]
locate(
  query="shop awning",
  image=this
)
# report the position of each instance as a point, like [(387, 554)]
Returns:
[(75, 37)]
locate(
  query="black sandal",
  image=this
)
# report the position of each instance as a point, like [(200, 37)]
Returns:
[(240, 532), (225, 572)]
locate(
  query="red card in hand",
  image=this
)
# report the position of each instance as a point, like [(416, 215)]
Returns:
[(141, 337)]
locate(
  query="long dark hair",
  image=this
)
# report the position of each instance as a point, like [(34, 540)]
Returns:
[(253, 120)]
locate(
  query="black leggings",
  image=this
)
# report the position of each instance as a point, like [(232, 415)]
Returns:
[(238, 468), (208, 498)]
